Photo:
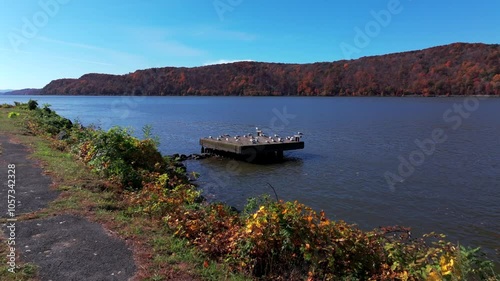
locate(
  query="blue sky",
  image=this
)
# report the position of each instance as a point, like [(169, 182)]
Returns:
[(42, 40)]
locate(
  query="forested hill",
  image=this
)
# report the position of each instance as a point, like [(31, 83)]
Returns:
[(456, 69)]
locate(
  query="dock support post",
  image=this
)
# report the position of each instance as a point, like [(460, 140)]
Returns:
[(202, 149), (279, 154)]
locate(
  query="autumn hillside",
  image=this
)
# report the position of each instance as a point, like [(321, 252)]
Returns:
[(456, 69)]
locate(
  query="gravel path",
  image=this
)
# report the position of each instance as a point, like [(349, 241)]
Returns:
[(32, 187), (65, 247)]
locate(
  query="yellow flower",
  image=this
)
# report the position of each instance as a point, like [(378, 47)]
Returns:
[(446, 267), (433, 276), (324, 223), (404, 276)]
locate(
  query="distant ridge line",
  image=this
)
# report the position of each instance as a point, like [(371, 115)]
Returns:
[(454, 69)]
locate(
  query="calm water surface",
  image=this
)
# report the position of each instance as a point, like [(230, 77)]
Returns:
[(350, 144)]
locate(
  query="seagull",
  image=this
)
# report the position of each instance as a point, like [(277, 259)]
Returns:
[(299, 133), (209, 137), (218, 139)]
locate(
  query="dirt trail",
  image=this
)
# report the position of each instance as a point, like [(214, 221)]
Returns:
[(65, 247)]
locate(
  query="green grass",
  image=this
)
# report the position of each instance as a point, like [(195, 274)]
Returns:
[(61, 164), (12, 125)]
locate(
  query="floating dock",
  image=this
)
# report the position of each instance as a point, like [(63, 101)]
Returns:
[(251, 147)]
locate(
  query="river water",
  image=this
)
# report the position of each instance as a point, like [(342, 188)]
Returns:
[(429, 163)]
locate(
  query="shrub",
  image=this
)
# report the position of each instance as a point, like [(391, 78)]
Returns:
[(32, 104), (120, 156), (46, 121)]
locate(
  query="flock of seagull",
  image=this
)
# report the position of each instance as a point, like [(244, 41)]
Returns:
[(260, 138)]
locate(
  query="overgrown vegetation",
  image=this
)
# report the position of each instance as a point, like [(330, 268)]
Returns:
[(270, 239)]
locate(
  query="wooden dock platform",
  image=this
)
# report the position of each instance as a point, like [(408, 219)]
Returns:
[(251, 147)]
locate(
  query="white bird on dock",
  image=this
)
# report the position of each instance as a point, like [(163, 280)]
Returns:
[(218, 139), (299, 133), (210, 137), (227, 139)]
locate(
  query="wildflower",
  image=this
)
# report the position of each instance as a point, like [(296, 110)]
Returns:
[(433, 276), (446, 267)]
